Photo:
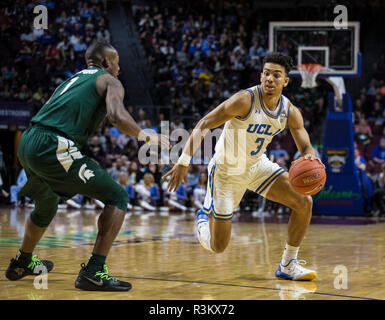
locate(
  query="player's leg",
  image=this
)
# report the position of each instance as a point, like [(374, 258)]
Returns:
[(213, 222), (57, 161), (88, 178), (220, 231), (282, 192), (213, 234), (109, 224), (46, 203)]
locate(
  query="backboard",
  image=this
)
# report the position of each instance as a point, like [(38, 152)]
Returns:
[(318, 42)]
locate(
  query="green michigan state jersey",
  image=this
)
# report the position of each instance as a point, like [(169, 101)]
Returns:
[(75, 108)]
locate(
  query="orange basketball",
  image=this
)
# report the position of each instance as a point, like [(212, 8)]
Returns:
[(307, 177)]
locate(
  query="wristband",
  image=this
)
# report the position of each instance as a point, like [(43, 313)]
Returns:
[(184, 160)]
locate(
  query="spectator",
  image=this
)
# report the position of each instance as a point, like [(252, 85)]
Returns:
[(148, 193), (123, 181), (363, 132), (175, 200), (199, 192), (133, 174), (112, 149), (379, 152), (193, 177), (80, 46), (176, 124), (95, 150), (359, 160), (278, 153), (379, 194), (15, 189), (4, 193), (116, 169), (154, 170)]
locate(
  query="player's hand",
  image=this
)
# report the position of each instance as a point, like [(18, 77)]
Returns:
[(155, 139), (177, 174), (310, 156)]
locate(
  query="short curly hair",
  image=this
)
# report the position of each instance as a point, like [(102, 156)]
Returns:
[(281, 59)]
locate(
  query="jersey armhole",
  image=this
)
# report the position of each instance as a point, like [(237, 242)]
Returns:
[(251, 106)]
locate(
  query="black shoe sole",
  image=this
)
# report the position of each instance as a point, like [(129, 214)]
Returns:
[(86, 285)]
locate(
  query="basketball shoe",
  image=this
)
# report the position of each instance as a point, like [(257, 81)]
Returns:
[(202, 229), (294, 271), (19, 269), (99, 281)]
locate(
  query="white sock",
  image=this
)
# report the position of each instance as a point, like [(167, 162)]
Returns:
[(204, 236), (288, 254)]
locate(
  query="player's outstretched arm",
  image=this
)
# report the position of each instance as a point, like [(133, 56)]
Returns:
[(117, 114), (300, 135), (236, 105)]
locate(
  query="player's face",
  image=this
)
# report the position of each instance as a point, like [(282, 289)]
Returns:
[(273, 79)]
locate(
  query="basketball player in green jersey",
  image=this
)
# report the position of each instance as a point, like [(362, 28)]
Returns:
[(49, 153)]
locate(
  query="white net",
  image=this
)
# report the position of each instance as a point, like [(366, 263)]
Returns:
[(309, 73)]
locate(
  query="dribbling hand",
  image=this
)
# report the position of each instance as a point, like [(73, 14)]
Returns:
[(310, 156)]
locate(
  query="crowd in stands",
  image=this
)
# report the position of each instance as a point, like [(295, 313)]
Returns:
[(35, 61), (198, 58)]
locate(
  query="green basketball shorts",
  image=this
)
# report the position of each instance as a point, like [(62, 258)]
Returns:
[(53, 163)]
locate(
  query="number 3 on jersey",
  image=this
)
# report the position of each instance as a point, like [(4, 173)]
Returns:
[(72, 81), (259, 143)]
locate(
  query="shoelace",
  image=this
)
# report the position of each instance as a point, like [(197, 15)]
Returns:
[(104, 274), (34, 263)]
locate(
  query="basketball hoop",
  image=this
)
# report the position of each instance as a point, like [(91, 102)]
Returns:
[(309, 73)]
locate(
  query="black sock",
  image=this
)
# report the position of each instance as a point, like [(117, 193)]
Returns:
[(24, 257), (96, 262)]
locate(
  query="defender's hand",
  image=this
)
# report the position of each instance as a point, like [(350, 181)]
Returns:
[(155, 139), (176, 174)]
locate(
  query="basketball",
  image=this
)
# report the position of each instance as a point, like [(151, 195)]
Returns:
[(307, 176)]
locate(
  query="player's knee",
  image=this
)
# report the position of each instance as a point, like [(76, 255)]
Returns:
[(120, 199), (301, 203), (123, 195), (308, 202), (304, 205), (45, 210)]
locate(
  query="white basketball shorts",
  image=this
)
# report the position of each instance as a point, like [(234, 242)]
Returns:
[(225, 190)]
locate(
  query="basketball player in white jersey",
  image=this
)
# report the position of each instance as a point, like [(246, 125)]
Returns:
[(252, 118)]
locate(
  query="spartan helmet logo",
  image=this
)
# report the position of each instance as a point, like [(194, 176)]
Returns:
[(85, 174)]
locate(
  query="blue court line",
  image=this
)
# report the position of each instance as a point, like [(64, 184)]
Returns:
[(229, 285)]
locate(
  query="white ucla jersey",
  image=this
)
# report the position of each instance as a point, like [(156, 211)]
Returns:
[(244, 140)]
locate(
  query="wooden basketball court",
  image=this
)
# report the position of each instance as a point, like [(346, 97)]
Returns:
[(159, 254)]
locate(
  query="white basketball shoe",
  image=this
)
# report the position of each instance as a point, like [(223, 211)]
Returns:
[(294, 271)]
